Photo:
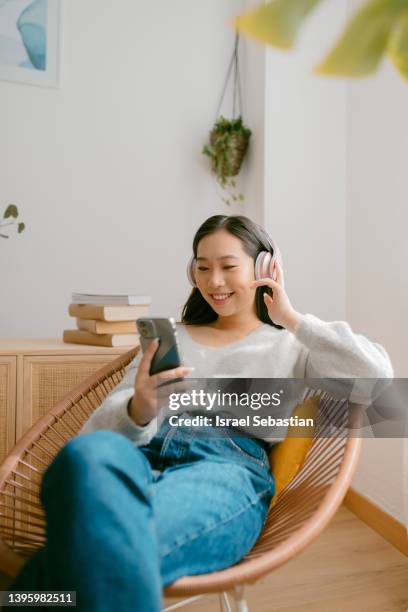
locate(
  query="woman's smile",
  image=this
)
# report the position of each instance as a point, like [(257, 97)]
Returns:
[(221, 298)]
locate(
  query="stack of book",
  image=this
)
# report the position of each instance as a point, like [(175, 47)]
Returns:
[(106, 320)]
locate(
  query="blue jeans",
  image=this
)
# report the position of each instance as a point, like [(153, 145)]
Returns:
[(124, 521)]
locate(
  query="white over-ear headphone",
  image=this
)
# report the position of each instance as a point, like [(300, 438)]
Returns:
[(264, 263)]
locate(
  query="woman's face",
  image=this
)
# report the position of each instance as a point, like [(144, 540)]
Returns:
[(224, 272)]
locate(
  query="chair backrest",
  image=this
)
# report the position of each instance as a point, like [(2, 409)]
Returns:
[(302, 510)]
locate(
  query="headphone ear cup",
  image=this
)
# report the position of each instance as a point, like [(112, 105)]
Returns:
[(190, 271), (275, 257), (265, 263), (262, 265), (272, 268)]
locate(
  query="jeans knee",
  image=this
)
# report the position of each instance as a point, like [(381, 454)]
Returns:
[(92, 447), (84, 456), (102, 443)]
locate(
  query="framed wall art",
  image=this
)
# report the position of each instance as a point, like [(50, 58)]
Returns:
[(30, 41)]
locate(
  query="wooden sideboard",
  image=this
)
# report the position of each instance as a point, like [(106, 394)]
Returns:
[(36, 374)]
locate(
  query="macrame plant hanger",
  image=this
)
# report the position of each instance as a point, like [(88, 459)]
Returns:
[(229, 138), (233, 70)]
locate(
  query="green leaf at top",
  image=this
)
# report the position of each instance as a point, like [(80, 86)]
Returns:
[(21, 227), (276, 23), (360, 48), (11, 211), (398, 45)]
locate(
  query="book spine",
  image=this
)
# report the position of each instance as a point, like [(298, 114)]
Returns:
[(81, 337), (111, 300), (106, 327), (86, 311), (78, 336), (108, 313)]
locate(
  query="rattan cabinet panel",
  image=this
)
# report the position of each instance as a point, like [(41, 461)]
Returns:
[(8, 387), (35, 374), (48, 379)]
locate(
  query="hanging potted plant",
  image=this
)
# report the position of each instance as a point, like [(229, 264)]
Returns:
[(228, 145), (229, 138)]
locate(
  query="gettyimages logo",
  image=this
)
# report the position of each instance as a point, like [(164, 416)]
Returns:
[(207, 401)]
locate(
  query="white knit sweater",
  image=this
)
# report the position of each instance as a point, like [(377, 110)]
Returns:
[(317, 349)]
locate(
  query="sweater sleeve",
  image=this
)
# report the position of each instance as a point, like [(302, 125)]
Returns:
[(113, 413), (334, 352)]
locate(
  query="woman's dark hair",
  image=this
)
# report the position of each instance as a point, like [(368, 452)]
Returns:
[(197, 310)]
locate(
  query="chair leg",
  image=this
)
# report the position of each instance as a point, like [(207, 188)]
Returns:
[(182, 603), (241, 605), (224, 603), (240, 601)]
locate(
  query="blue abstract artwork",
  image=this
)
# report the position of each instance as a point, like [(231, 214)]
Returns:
[(29, 41)]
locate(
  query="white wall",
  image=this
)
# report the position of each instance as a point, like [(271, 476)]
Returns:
[(107, 171), (305, 161), (335, 200), (254, 92), (377, 212), (377, 252)]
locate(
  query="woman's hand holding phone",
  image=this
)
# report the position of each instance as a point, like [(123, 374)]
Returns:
[(144, 405)]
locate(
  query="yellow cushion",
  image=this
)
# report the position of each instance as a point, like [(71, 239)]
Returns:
[(287, 457)]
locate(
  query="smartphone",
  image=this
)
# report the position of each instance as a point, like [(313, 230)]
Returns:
[(168, 354)]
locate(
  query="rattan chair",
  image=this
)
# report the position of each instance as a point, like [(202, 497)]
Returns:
[(303, 509)]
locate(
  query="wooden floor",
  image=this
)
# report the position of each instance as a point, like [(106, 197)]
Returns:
[(349, 568)]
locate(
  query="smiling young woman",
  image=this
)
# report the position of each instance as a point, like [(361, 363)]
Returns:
[(227, 302), (144, 502)]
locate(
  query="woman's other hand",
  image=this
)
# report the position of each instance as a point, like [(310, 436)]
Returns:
[(280, 310), (144, 405)]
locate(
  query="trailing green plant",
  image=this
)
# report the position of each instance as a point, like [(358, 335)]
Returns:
[(378, 28), (11, 213), (229, 140)]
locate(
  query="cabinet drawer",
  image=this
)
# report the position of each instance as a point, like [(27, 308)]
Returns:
[(48, 379), (8, 387)]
